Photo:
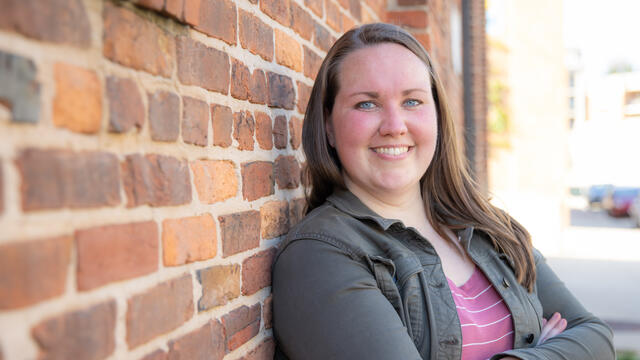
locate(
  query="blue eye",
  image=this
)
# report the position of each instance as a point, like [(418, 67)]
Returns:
[(412, 102), (365, 105)]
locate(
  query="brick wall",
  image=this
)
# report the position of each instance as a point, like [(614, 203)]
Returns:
[(150, 163)]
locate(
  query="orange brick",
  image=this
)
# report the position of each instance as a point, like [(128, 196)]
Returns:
[(411, 18), (215, 180), (216, 18), (188, 239), (334, 17), (256, 36), (274, 219), (278, 10), (219, 285), (316, 6), (301, 21), (347, 23), (288, 52), (263, 130), (77, 104)]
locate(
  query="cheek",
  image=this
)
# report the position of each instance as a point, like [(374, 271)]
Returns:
[(355, 128), (425, 124)]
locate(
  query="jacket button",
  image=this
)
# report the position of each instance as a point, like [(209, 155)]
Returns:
[(530, 338), (505, 283)]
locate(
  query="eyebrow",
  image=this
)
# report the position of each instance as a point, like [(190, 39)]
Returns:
[(375, 95)]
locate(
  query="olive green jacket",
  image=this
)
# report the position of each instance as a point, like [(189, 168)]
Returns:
[(349, 284)]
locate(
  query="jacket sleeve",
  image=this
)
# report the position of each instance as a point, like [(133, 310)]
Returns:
[(585, 338), (326, 305)]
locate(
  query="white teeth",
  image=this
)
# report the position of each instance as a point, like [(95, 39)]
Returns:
[(392, 150)]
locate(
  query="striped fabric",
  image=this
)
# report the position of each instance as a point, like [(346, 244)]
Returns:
[(487, 327)]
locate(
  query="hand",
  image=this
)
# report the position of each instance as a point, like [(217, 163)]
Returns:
[(554, 326)]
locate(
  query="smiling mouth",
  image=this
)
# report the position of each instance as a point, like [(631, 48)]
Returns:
[(396, 150)]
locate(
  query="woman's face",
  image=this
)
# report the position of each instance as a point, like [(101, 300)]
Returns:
[(384, 123)]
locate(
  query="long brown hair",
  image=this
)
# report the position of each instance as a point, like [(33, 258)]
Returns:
[(451, 197)]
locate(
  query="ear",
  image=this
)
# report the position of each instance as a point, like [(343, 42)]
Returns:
[(328, 126)]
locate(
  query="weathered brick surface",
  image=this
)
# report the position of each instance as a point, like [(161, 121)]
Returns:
[(295, 130), (156, 5), (274, 219), (219, 285), (155, 180), (256, 271), (20, 89), (58, 21), (304, 93), (164, 116), (257, 180), (207, 342), (410, 18), (243, 127), (188, 239), (317, 6), (53, 179), (267, 312), (175, 8), (322, 38), (264, 351), (82, 334), (216, 18), (263, 130), (278, 10), (258, 87), (296, 210), (287, 172), (77, 104), (116, 252), (33, 271), (125, 104), (241, 325), (256, 36), (280, 132), (240, 78), (202, 66), (195, 121), (215, 180), (222, 123), (288, 51), (281, 93), (158, 310), (334, 17), (301, 21), (312, 63), (239, 232), (134, 42)]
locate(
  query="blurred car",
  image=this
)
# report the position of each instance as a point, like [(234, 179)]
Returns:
[(618, 201), (634, 210), (597, 192)]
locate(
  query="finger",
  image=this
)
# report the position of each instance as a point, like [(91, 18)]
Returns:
[(560, 326), (550, 324), (544, 322)]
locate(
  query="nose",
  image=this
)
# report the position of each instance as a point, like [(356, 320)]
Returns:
[(393, 122)]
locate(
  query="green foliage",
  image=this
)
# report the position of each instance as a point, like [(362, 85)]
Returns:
[(498, 117), (627, 355)]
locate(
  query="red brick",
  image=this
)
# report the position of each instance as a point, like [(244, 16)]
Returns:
[(219, 285), (175, 8), (188, 239), (164, 116), (158, 310), (287, 172), (355, 8), (240, 77), (312, 63), (322, 38), (288, 52), (239, 232), (256, 36), (257, 180), (52, 179), (263, 130), (317, 6), (258, 87), (125, 105), (82, 334), (77, 104), (195, 121), (274, 219), (281, 93), (304, 93), (215, 180), (126, 250), (2, 190), (256, 271), (278, 10), (301, 21), (412, 2), (33, 271), (267, 312), (243, 127), (295, 130), (409, 18), (216, 18), (280, 132), (155, 180), (241, 325), (334, 17), (264, 351), (156, 5), (156, 355), (222, 122), (58, 21), (424, 40), (202, 66), (344, 4), (136, 43), (205, 343), (296, 210)]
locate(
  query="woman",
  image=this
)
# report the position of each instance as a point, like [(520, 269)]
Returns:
[(399, 255)]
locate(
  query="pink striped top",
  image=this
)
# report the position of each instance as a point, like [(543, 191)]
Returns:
[(487, 327)]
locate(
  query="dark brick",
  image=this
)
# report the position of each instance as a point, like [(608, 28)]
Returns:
[(304, 93), (287, 172), (219, 285), (256, 271), (240, 77), (20, 90), (264, 351), (312, 63), (164, 116), (156, 180), (125, 105), (207, 342), (195, 121), (202, 66), (263, 130), (258, 87), (33, 271), (301, 21), (267, 311), (256, 36), (257, 180), (281, 92), (83, 334), (217, 18), (222, 122), (322, 38), (278, 10), (239, 232), (295, 131), (241, 325), (243, 127), (58, 21), (53, 179), (280, 132), (296, 210)]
